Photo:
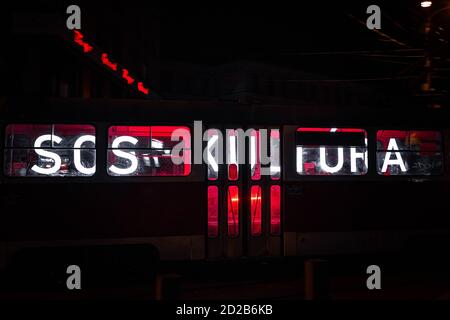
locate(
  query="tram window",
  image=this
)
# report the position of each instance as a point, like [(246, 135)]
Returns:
[(213, 211), (255, 210), (149, 151), (411, 152), (233, 211), (57, 150), (275, 210), (331, 151), (213, 153)]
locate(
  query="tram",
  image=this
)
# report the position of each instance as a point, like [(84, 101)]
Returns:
[(100, 172)]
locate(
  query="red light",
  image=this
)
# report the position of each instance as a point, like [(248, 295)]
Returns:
[(233, 211), (127, 77), (275, 210), (233, 172), (255, 211), (108, 63), (78, 38), (213, 211), (141, 88)]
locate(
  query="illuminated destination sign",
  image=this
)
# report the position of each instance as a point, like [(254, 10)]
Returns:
[(70, 150), (331, 151), (50, 150), (343, 151)]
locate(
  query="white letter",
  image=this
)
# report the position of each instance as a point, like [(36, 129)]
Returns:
[(323, 161), (374, 281), (74, 20), (388, 162), (74, 281), (374, 21), (47, 154), (77, 154), (127, 155)]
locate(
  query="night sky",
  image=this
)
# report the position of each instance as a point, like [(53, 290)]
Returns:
[(321, 37)]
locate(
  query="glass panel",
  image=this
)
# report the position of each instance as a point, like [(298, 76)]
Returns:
[(24, 135), (141, 135), (213, 211), (149, 151), (275, 210), (233, 211), (145, 162), (162, 136), (330, 159), (409, 163), (49, 150), (410, 152), (51, 162), (70, 133), (255, 211)]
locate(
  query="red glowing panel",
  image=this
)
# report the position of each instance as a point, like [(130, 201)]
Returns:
[(275, 210), (213, 211), (108, 63), (141, 88), (255, 211), (141, 133), (127, 77), (78, 39), (233, 172), (233, 211)]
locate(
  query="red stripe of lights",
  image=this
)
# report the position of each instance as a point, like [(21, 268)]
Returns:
[(108, 63), (126, 76), (105, 60)]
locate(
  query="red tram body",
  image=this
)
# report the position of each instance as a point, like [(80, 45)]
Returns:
[(346, 181)]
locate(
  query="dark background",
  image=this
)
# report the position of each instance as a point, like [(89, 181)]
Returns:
[(280, 52)]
